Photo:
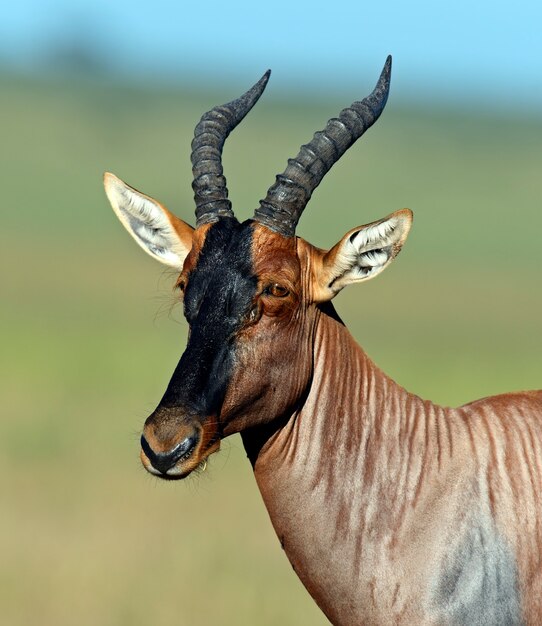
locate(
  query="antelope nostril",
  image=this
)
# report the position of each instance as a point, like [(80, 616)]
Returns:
[(163, 461), (184, 448)]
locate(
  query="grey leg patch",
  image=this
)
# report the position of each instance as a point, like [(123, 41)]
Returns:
[(478, 583)]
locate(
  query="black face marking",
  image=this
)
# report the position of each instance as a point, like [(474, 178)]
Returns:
[(218, 297)]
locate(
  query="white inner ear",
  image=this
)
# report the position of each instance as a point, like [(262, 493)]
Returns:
[(147, 221), (366, 252), (370, 249)]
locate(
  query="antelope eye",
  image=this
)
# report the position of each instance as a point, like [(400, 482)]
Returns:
[(276, 290)]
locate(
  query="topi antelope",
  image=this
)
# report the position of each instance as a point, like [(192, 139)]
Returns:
[(391, 509)]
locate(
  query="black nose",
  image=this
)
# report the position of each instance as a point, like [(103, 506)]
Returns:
[(163, 461)]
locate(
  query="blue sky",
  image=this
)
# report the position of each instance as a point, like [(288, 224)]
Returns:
[(467, 52)]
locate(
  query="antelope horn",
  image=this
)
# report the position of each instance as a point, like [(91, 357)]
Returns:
[(209, 185), (288, 196)]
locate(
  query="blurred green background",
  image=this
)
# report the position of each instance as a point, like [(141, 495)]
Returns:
[(91, 330)]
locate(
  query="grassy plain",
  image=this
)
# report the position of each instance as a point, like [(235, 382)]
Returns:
[(91, 333)]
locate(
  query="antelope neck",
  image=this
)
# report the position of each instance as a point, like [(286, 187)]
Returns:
[(338, 477), (355, 421)]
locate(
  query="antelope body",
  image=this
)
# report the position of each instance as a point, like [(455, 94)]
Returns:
[(391, 509)]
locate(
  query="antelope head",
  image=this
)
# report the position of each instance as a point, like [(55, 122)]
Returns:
[(253, 292)]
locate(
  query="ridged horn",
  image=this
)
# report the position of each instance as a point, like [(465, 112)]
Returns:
[(209, 185), (288, 196)]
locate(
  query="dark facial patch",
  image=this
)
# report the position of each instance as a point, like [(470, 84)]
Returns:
[(218, 297)]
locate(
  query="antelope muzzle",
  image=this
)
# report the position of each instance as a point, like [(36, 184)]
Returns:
[(173, 447)]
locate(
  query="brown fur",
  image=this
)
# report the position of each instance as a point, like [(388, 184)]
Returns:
[(373, 492)]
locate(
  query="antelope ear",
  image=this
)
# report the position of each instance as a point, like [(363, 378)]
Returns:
[(160, 233), (360, 255)]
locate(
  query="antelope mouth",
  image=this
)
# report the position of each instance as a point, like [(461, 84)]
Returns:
[(188, 455)]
